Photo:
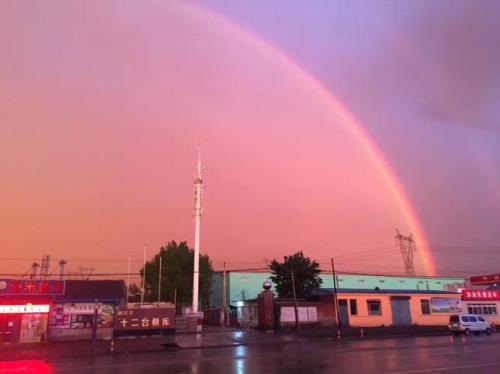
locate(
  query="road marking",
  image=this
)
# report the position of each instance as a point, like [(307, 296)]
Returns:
[(429, 354), (447, 368)]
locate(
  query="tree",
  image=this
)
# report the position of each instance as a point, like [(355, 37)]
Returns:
[(306, 275), (177, 275)]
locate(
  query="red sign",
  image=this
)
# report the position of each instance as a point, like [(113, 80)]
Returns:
[(485, 279), (145, 319), (481, 295), (31, 287)]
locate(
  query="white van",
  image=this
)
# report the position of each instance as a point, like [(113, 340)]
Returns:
[(468, 323)]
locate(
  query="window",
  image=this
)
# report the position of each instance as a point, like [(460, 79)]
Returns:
[(374, 307), (353, 306), (425, 306), (465, 319), (481, 319), (472, 319), (482, 308), (453, 319)]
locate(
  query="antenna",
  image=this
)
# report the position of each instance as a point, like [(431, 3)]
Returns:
[(407, 246)]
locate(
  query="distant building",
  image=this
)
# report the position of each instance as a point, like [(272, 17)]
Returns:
[(241, 286)]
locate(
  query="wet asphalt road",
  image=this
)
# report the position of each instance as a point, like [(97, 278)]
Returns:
[(443, 354)]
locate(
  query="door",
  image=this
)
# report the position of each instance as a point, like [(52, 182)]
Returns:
[(10, 325), (400, 307), (343, 313)]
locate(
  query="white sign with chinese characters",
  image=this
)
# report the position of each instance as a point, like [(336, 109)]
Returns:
[(27, 308), (145, 319)]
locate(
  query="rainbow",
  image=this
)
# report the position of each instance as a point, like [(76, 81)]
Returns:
[(310, 82)]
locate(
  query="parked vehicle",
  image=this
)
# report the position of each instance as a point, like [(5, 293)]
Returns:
[(469, 323)]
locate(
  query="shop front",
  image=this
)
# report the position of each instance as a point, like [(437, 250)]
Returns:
[(74, 321), (25, 306), (23, 323), (84, 302), (483, 302)]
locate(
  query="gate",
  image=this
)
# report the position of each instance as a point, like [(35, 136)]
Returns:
[(400, 306)]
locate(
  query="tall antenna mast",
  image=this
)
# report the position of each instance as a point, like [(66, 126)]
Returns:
[(407, 246), (198, 187)]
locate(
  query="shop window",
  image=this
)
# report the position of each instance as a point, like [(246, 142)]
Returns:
[(374, 307), (425, 306), (484, 309), (353, 306)]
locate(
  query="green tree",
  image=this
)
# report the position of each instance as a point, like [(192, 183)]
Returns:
[(177, 275), (306, 275)]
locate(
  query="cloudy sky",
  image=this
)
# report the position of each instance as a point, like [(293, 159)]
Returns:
[(324, 126)]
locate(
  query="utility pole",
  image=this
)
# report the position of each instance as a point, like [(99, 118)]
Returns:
[(407, 246), (336, 300), (159, 281), (224, 287), (198, 187), (143, 277), (128, 278), (294, 293)]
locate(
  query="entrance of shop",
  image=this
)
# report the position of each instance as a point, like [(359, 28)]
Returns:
[(10, 325), (343, 313), (400, 306)]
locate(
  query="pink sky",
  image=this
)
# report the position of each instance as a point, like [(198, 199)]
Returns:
[(103, 106)]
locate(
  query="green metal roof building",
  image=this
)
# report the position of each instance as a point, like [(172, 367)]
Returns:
[(247, 285)]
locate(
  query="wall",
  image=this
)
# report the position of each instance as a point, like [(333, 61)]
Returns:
[(244, 285), (363, 319), (325, 312)]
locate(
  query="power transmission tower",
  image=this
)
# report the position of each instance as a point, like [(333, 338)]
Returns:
[(407, 246), (44, 269)]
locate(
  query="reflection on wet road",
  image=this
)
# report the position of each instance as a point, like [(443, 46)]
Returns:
[(476, 354)]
